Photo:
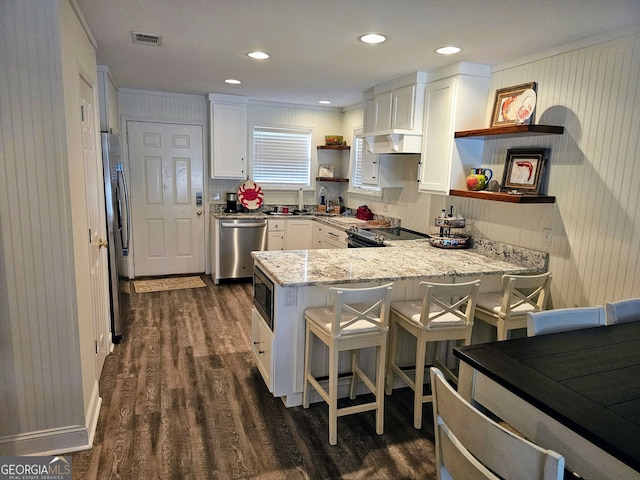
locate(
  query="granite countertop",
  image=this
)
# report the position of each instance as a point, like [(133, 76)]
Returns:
[(410, 259), (334, 220)]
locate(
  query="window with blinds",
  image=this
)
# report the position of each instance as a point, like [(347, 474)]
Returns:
[(355, 185), (282, 156), (356, 174)]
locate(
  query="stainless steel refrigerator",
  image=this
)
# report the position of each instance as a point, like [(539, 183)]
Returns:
[(118, 228)]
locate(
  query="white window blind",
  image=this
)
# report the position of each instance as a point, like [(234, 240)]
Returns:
[(281, 156), (356, 174), (357, 153)]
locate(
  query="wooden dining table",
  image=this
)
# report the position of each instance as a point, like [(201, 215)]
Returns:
[(575, 392)]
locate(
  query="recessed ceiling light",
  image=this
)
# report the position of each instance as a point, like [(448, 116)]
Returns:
[(233, 81), (373, 38), (325, 102), (448, 50), (258, 55)]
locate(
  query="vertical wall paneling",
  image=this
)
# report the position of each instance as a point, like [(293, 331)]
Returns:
[(48, 389), (594, 173)]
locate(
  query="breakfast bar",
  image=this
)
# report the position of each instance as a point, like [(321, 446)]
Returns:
[(288, 282)]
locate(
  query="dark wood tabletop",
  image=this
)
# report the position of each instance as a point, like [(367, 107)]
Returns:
[(588, 380)]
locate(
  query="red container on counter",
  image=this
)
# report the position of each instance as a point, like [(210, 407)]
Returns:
[(364, 213)]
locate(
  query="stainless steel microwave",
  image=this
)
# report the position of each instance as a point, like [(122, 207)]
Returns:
[(263, 296)]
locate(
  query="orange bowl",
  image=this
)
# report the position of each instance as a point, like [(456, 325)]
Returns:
[(333, 139)]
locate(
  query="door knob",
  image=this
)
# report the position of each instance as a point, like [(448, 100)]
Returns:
[(199, 212), (102, 243)]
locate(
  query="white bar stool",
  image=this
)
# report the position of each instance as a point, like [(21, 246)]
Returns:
[(359, 318), (444, 313), (507, 310)]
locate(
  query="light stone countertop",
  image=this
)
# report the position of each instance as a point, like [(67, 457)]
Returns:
[(410, 259), (337, 221)]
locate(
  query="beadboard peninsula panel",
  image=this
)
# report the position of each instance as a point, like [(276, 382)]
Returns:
[(594, 172)]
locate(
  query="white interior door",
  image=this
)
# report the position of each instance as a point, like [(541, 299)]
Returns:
[(166, 164), (94, 193)]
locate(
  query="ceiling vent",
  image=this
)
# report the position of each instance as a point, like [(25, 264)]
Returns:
[(146, 39)]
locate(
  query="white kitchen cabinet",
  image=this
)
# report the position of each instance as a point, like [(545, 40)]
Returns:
[(457, 101), (276, 234), (316, 235), (404, 108), (334, 237), (369, 120), (228, 136), (383, 111), (298, 234), (393, 115), (384, 171), (262, 341), (396, 110), (108, 101)]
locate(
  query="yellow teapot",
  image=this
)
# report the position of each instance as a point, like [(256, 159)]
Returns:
[(479, 178)]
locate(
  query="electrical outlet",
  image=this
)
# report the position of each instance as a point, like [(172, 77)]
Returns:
[(385, 207), (215, 197), (548, 236), (290, 296)]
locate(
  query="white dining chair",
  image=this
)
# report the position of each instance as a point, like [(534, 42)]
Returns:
[(359, 318), (444, 314), (507, 309), (622, 311), (564, 319), (469, 445)]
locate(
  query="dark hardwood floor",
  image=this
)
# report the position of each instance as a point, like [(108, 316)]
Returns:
[(182, 398)]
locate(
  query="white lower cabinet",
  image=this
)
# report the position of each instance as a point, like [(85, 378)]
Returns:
[(334, 237), (298, 234), (276, 234), (262, 340), (316, 235)]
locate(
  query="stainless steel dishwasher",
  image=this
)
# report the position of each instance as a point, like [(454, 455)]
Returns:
[(238, 238)]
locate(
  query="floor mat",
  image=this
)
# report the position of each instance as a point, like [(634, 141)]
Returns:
[(162, 284)]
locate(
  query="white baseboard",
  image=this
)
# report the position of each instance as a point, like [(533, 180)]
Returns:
[(56, 441)]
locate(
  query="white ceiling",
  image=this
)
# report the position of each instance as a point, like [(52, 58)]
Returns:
[(314, 46)]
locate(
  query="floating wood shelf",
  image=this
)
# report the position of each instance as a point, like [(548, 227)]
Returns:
[(332, 179), (512, 130), (503, 197), (334, 147)]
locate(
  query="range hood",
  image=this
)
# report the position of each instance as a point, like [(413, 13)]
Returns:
[(392, 142)]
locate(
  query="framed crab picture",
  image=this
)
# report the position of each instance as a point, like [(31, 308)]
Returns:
[(523, 171)]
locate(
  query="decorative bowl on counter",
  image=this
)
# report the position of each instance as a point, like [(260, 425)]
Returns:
[(451, 241)]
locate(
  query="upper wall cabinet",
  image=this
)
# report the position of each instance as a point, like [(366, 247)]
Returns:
[(393, 116), (384, 171), (108, 101), (228, 136), (455, 100)]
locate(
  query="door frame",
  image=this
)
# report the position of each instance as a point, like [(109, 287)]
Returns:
[(124, 120)]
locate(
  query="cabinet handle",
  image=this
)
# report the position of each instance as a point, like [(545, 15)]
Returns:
[(419, 171)]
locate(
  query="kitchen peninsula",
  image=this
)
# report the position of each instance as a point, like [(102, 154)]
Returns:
[(299, 279)]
